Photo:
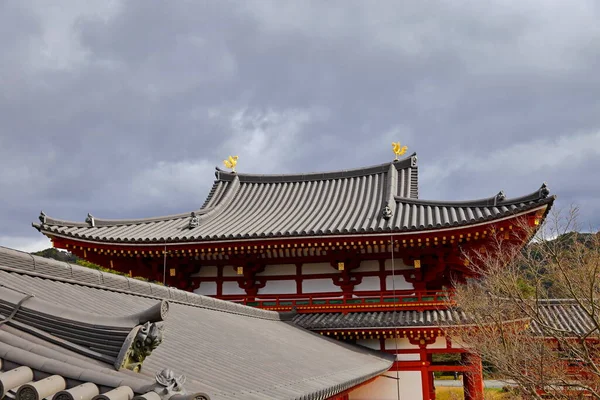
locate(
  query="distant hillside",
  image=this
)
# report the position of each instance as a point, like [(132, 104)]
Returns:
[(65, 256), (56, 254)]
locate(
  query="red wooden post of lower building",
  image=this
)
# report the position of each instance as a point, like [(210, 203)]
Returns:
[(473, 378)]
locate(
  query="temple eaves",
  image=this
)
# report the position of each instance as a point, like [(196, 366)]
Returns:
[(359, 201)]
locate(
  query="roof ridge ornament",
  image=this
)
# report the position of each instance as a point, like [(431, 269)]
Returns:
[(90, 220), (194, 221), (387, 212), (544, 191), (140, 343), (42, 217), (231, 162), (499, 197), (398, 149), (167, 385)]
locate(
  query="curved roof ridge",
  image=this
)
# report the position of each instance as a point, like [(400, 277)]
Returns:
[(99, 222), (77, 274), (223, 201), (313, 176), (498, 200)]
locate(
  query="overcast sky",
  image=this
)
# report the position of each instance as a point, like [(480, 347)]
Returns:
[(124, 108)]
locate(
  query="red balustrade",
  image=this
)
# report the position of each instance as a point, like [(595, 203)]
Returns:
[(319, 302)]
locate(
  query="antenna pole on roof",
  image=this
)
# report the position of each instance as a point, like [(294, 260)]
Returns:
[(394, 310), (165, 266)]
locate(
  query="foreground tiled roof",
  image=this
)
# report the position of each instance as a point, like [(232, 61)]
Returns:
[(242, 206), (225, 350)]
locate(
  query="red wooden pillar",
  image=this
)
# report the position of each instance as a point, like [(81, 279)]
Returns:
[(426, 376), (473, 378), (298, 278)]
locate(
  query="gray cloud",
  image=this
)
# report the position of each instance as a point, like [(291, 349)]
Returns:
[(122, 109)]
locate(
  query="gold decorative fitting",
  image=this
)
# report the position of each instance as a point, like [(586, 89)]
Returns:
[(240, 270), (398, 149), (340, 266), (417, 263), (231, 162)]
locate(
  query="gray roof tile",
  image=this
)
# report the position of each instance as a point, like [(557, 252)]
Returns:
[(241, 206), (566, 316), (377, 320), (225, 349)]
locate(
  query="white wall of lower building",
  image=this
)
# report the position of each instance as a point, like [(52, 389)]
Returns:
[(370, 343), (319, 285), (440, 343), (400, 343), (368, 266), (207, 289), (397, 282), (206, 271), (232, 288), (408, 357), (317, 268), (278, 270), (278, 287), (386, 387), (229, 271), (369, 283), (398, 265)]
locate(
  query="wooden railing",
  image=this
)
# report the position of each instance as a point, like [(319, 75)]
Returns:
[(419, 300)]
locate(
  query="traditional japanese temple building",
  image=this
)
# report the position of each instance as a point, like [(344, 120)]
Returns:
[(355, 254)]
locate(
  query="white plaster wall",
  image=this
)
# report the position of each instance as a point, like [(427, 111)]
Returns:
[(368, 266), (408, 357), (232, 288), (207, 288), (398, 263), (440, 343), (277, 270), (206, 271), (386, 387), (403, 343), (370, 343), (319, 285), (369, 283), (228, 270), (278, 287), (457, 343), (317, 268), (399, 283)]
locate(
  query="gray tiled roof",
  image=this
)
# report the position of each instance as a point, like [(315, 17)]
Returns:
[(382, 319), (225, 350), (242, 206), (565, 315)]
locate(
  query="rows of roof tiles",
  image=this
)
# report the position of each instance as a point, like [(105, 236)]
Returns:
[(559, 318), (225, 354), (69, 273), (344, 205), (268, 219), (382, 319), (563, 317)]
